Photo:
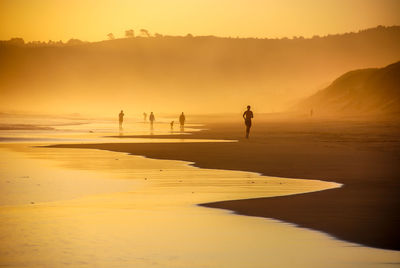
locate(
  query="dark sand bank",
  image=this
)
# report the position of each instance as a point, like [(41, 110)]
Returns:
[(364, 156)]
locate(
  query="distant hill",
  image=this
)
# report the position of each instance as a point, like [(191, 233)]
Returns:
[(203, 74), (374, 91)]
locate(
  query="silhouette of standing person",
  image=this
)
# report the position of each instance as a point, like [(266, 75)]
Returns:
[(144, 117), (121, 119), (152, 119), (248, 115), (182, 119), (172, 125)]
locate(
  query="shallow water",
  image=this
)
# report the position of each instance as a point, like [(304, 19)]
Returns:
[(89, 130), (97, 208)]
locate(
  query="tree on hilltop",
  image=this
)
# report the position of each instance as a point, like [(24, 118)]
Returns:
[(129, 33), (111, 36), (144, 33)]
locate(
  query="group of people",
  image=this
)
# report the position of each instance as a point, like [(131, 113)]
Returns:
[(152, 118), (247, 116)]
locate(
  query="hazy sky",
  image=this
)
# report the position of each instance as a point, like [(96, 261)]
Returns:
[(92, 20)]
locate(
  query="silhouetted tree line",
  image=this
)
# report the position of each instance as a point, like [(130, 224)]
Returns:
[(146, 34), (19, 42)]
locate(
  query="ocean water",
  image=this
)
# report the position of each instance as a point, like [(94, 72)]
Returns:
[(38, 129)]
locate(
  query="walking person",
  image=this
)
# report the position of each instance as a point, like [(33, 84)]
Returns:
[(121, 119), (247, 116), (182, 120), (152, 118)]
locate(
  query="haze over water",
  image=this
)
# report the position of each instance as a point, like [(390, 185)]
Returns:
[(44, 129)]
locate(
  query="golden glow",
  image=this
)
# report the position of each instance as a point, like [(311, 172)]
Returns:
[(172, 75), (153, 220), (92, 20)]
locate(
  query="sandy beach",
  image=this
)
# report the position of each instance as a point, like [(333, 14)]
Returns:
[(361, 155), (88, 196)]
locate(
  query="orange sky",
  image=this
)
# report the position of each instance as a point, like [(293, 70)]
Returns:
[(92, 20)]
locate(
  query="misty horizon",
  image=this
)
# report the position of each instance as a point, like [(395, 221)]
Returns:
[(193, 74)]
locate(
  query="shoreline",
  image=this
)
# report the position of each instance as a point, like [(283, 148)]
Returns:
[(154, 219), (361, 211)]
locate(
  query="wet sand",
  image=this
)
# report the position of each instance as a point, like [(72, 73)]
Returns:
[(95, 208), (363, 156)]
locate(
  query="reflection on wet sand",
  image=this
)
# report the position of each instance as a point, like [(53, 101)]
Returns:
[(119, 210), (32, 130)]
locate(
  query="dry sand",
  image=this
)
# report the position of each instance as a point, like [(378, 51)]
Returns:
[(364, 156)]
